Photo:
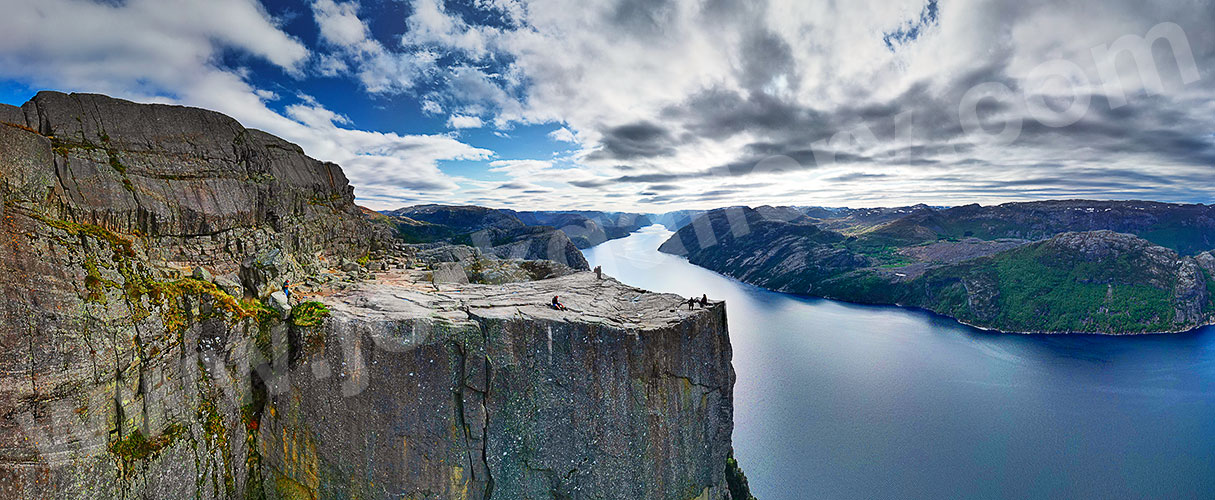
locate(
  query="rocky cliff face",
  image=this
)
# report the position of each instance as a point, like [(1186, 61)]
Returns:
[(480, 392), (142, 356), (748, 244)]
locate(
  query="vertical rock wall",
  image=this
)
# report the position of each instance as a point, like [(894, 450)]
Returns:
[(481, 401)]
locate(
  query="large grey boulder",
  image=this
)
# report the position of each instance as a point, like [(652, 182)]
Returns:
[(229, 286), (449, 272), (279, 303), (202, 274)]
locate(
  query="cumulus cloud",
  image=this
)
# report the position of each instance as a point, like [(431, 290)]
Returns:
[(463, 121), (351, 47), (562, 135)]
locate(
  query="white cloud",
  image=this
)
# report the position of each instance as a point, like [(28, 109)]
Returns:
[(431, 107), (378, 69), (266, 95), (563, 135), (520, 168), (77, 42), (800, 72), (331, 65), (463, 121), (339, 23)]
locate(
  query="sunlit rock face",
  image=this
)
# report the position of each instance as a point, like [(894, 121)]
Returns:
[(141, 355)]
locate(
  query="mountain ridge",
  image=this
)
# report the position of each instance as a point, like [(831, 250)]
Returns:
[(932, 259)]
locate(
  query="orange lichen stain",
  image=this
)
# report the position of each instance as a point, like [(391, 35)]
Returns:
[(20, 126), (458, 489), (300, 459)]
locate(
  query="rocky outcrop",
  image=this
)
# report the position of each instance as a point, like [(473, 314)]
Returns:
[(1091, 282), (126, 230), (195, 185), (146, 352)]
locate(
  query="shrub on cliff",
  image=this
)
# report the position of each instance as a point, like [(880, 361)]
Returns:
[(310, 313)]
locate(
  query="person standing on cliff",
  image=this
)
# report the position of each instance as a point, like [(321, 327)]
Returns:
[(599, 272), (287, 290)]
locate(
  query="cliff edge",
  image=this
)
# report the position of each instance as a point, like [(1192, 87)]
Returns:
[(147, 352)]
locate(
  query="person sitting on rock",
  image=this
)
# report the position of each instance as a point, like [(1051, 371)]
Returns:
[(704, 300), (557, 303), (599, 272)]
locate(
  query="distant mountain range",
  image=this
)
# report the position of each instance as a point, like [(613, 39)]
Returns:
[(1053, 266), (551, 235)]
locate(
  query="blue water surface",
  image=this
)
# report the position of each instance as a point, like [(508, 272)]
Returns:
[(843, 401)]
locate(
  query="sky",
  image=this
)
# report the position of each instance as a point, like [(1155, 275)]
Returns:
[(656, 105)]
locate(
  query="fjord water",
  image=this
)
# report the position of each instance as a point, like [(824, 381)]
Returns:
[(843, 401)]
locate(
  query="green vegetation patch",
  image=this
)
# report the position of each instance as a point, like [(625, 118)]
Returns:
[(1044, 289), (136, 447), (1210, 305), (166, 295), (121, 245), (736, 481), (310, 313), (215, 435)]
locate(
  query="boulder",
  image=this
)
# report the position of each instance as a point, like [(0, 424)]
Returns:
[(449, 272), (202, 274), (229, 286), (278, 302)]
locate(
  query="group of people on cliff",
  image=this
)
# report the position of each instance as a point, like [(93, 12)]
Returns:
[(693, 301)]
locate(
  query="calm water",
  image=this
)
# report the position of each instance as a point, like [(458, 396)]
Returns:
[(854, 402)]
